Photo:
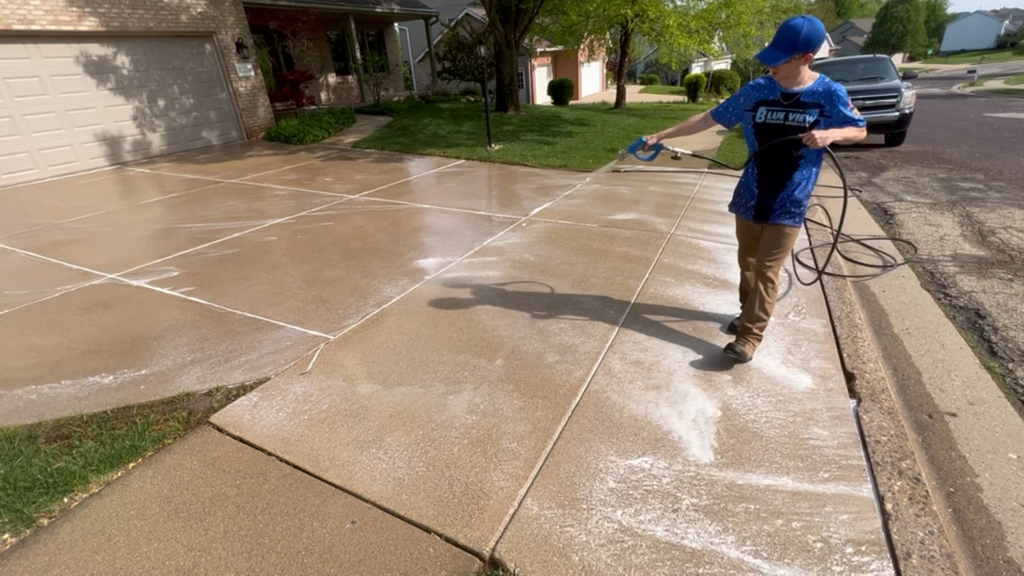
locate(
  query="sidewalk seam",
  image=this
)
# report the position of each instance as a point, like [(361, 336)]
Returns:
[(489, 551), (423, 527)]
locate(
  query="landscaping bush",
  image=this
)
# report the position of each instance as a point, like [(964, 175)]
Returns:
[(724, 82), (694, 85), (438, 96), (561, 91), (471, 91), (650, 79), (389, 108), (311, 127)]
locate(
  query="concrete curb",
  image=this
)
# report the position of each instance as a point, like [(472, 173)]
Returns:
[(941, 435), (917, 535)]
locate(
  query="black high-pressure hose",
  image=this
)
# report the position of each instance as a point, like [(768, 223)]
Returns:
[(888, 261)]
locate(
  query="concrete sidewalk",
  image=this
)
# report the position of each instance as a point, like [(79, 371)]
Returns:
[(967, 440), (524, 363), (633, 94)]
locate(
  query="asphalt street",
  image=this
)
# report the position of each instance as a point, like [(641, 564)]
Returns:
[(954, 189)]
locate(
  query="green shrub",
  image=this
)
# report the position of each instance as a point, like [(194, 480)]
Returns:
[(609, 78), (311, 127), (724, 82), (561, 91), (471, 91), (389, 108), (438, 96), (694, 85), (650, 79)]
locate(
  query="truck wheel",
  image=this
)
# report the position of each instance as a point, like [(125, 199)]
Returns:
[(894, 139)]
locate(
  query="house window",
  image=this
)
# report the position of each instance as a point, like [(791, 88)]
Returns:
[(338, 41), (372, 48), (521, 79)]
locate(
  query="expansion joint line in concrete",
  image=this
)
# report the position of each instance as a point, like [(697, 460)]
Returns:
[(590, 378)]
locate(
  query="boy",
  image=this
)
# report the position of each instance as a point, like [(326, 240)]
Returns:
[(771, 199)]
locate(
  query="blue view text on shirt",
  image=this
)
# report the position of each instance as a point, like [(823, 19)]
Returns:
[(776, 187)]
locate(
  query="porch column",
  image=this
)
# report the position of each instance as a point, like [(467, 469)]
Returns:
[(357, 58), (430, 51)]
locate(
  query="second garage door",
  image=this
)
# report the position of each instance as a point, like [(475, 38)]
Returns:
[(68, 104), (592, 80)]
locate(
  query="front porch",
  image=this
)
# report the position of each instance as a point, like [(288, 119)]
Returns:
[(321, 53)]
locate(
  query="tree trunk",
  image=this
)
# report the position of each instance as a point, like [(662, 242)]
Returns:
[(625, 39), (506, 60)]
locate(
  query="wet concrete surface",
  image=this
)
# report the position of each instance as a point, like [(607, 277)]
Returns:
[(678, 463), (465, 317), (212, 505), (954, 189)]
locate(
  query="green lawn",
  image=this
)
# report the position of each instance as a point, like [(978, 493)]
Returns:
[(1015, 80), (580, 136), (1017, 92), (974, 57), (733, 149), (664, 90), (45, 468)]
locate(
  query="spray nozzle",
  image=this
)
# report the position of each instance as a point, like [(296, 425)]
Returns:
[(637, 149)]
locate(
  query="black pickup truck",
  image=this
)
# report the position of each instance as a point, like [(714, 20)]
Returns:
[(883, 97)]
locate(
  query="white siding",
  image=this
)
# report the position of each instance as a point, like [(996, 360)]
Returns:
[(974, 32)]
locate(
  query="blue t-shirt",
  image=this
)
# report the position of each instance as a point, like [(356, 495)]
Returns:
[(776, 187)]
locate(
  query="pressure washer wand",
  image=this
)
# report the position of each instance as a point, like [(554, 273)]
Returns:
[(648, 155)]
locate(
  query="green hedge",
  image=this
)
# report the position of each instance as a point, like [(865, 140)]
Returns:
[(650, 79), (725, 82), (694, 85), (311, 127), (561, 91)]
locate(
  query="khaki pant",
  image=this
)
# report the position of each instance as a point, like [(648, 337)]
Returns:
[(763, 251)]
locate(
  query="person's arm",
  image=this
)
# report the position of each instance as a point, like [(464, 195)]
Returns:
[(843, 123), (688, 127), (823, 138)]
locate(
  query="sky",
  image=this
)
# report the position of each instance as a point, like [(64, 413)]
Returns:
[(972, 5)]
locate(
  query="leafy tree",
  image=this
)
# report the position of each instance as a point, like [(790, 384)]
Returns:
[(377, 75), (458, 58), (936, 18), (826, 11), (509, 22), (678, 28), (846, 9), (899, 27)]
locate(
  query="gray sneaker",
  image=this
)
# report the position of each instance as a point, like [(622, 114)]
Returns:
[(739, 350)]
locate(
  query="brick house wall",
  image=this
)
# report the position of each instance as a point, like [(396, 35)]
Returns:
[(315, 25), (224, 20)]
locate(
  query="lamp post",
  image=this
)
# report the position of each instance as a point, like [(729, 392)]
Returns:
[(482, 50)]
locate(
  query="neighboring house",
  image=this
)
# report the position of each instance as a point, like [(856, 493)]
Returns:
[(700, 62), (828, 49), (539, 62), (850, 36), (980, 30), (86, 83)]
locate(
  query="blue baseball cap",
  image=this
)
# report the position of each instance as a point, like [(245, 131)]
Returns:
[(797, 35)]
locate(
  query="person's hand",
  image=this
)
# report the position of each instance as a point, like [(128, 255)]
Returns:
[(651, 141), (817, 138)]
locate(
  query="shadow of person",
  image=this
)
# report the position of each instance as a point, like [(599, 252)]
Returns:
[(649, 319)]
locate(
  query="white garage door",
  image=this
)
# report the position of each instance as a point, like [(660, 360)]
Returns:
[(72, 104), (541, 77), (592, 78)]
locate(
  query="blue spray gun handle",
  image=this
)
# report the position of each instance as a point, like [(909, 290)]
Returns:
[(637, 149)]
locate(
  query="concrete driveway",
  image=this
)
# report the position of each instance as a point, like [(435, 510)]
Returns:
[(526, 362)]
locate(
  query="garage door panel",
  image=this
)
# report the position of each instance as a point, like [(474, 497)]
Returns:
[(8, 129), (72, 105), (13, 53), (16, 163)]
